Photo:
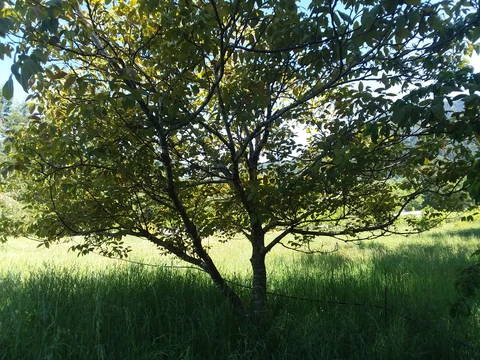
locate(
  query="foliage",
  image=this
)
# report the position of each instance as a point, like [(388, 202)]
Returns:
[(176, 120), (12, 215)]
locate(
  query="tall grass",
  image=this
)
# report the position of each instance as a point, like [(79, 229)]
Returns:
[(386, 299)]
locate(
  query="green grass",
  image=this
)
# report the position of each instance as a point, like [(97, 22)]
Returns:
[(55, 305)]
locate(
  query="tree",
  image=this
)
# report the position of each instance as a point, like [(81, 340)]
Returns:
[(174, 121), (12, 217)]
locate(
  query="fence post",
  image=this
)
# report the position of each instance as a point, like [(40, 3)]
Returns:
[(385, 302)]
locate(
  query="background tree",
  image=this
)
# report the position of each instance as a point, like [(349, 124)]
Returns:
[(174, 121), (12, 215)]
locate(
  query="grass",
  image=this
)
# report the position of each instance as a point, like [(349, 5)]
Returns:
[(55, 305)]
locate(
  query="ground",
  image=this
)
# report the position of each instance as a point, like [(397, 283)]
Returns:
[(387, 299)]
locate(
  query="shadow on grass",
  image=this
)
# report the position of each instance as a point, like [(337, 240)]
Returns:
[(137, 313), (472, 233)]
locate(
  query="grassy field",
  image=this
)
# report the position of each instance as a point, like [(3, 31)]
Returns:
[(386, 299)]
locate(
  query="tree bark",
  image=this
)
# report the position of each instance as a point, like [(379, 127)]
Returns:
[(231, 295), (259, 276)]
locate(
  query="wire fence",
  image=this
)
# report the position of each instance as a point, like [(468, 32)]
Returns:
[(385, 308)]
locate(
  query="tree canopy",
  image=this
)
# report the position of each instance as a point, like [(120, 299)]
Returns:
[(174, 121)]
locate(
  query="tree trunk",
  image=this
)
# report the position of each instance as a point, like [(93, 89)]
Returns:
[(259, 278), (231, 295), (259, 285)]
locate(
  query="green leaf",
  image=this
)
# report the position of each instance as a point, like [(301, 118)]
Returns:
[(5, 24), (54, 3), (390, 5), (345, 17), (29, 68), (385, 80), (81, 87), (436, 23), (438, 110), (7, 90), (372, 130), (195, 89), (128, 101), (401, 33), (368, 18), (69, 81), (474, 34)]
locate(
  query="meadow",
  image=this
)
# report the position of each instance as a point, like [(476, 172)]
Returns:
[(384, 299)]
